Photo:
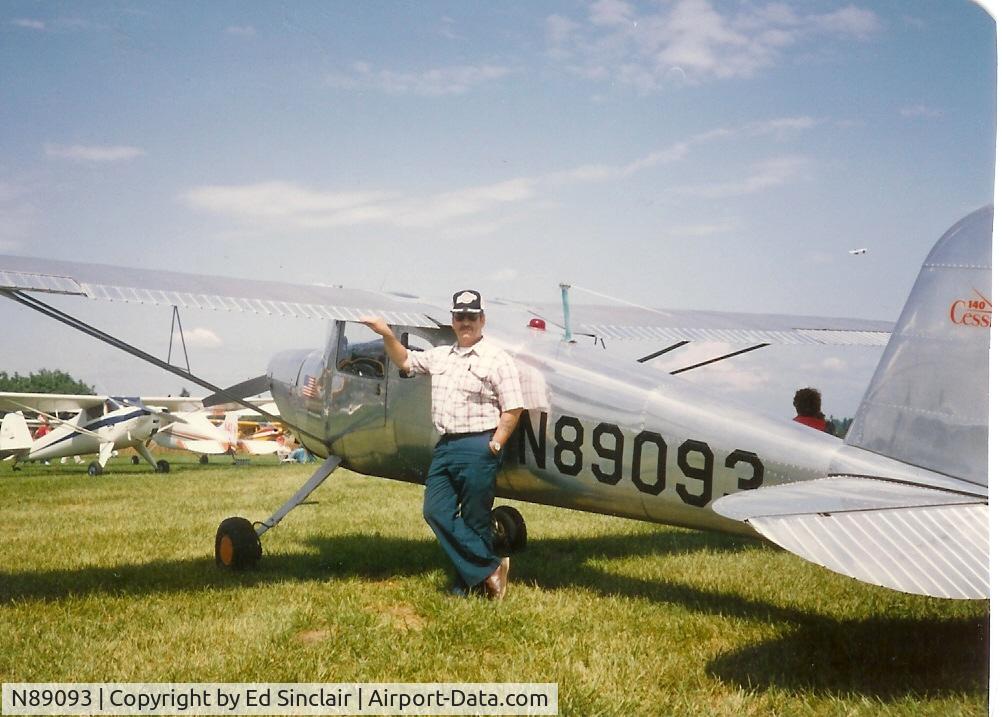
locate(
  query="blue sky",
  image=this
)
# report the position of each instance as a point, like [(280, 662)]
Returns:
[(690, 154)]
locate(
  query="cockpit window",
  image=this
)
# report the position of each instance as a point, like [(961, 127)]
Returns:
[(360, 352)]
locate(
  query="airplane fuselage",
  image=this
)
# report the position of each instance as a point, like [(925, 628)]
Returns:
[(122, 428), (599, 434)]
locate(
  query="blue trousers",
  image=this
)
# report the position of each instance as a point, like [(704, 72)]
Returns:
[(458, 498)]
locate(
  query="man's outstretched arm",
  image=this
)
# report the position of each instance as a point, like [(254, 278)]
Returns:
[(394, 349)]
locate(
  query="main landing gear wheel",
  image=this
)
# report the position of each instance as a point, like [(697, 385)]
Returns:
[(94, 469), (135, 460), (237, 544), (509, 530), (163, 466), (203, 459)]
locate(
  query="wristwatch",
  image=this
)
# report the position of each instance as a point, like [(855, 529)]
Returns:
[(495, 446)]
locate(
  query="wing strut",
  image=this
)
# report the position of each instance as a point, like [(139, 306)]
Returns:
[(180, 331), (719, 358), (73, 322), (662, 352)]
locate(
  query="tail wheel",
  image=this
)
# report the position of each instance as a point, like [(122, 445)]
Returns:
[(94, 469), (509, 530), (135, 460), (163, 466), (237, 544)]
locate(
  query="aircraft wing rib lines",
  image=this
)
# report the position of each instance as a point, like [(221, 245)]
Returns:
[(928, 550), (972, 553), (968, 556), (926, 568)]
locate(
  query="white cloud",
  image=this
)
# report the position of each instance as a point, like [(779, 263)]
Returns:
[(689, 231), (833, 363), (17, 216), (435, 82), (771, 173), (241, 30), (28, 23), (306, 208), (93, 153), (504, 275), (691, 41), (920, 111), (202, 338), (294, 206)]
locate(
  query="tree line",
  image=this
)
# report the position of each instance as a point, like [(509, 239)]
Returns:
[(43, 381)]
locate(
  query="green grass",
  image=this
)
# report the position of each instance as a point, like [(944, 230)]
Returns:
[(112, 578)]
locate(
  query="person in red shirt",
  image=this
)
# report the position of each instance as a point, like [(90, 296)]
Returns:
[(807, 401), (42, 429)]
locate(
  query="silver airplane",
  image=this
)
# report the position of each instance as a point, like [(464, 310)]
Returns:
[(902, 502)]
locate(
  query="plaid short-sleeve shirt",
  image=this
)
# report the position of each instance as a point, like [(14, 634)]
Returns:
[(470, 387)]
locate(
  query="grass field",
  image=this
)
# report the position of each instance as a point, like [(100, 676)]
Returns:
[(112, 578)]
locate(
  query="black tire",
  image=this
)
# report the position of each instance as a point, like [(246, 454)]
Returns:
[(203, 459), (135, 460), (163, 466), (94, 469), (237, 544), (510, 535)]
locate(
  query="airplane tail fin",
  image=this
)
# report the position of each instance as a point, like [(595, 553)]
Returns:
[(14, 434), (919, 521), (927, 404)]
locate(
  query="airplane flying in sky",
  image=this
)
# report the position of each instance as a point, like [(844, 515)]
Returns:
[(101, 425), (857, 252), (902, 502)]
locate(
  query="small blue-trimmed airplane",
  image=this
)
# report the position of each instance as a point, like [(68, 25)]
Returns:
[(902, 502), (100, 425)]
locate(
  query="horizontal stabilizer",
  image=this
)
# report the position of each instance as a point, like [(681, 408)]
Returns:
[(259, 448), (899, 536), (212, 448)]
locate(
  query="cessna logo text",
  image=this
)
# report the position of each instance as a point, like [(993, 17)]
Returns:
[(972, 312)]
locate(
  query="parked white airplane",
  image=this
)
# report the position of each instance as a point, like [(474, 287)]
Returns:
[(102, 424), (198, 434), (902, 502)]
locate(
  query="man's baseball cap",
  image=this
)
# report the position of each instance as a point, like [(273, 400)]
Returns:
[(466, 301)]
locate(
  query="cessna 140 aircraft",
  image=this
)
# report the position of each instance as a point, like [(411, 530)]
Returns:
[(102, 424), (902, 502)]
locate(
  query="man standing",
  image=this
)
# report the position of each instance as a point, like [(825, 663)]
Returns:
[(475, 404)]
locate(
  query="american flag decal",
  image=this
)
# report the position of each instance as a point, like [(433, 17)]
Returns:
[(310, 387)]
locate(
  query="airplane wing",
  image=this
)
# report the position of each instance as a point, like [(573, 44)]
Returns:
[(48, 402), (632, 322), (174, 404), (897, 535), (100, 281), (113, 283)]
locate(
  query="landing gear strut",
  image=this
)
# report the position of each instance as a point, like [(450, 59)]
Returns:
[(238, 542)]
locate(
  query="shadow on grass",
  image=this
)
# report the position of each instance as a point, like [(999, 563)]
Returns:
[(365, 556), (883, 658), (878, 657)]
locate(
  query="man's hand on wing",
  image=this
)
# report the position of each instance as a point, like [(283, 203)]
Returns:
[(377, 324)]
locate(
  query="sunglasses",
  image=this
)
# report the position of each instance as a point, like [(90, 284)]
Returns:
[(465, 316)]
